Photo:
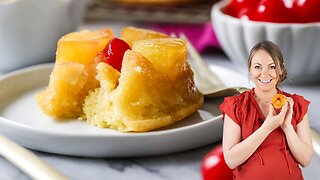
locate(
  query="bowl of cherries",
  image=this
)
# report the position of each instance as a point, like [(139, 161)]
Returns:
[(294, 25)]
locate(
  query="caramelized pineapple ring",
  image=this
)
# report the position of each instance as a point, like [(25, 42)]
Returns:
[(82, 46), (131, 34), (168, 55)]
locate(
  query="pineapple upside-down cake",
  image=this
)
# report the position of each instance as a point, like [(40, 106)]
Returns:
[(138, 82)]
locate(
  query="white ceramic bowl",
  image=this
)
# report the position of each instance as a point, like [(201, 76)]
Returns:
[(30, 29), (299, 43)]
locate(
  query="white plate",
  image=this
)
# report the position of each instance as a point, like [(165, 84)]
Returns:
[(22, 121)]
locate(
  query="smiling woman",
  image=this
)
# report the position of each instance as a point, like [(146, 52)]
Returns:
[(269, 54), (257, 138)]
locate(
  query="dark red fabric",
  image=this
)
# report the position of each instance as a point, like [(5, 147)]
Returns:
[(273, 159)]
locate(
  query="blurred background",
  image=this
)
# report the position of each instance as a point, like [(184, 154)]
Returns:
[(168, 16), (30, 29), (155, 11)]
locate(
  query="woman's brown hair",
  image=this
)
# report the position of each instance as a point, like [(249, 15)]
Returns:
[(275, 53)]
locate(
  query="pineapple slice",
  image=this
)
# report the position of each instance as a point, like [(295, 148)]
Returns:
[(168, 55), (83, 46), (131, 34), (69, 85)]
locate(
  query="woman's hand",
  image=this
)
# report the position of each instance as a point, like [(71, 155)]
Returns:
[(288, 117), (273, 120)]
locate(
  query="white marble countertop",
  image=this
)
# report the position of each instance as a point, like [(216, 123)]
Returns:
[(182, 165)]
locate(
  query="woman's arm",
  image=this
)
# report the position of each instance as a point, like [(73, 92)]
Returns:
[(300, 142), (236, 152)]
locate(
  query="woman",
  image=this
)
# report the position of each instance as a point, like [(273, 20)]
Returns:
[(258, 142)]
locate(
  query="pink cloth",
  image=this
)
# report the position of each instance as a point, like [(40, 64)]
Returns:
[(201, 36)]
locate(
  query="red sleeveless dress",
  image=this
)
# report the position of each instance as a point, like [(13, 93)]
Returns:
[(273, 159)]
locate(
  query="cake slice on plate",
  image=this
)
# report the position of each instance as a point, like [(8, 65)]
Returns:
[(154, 89)]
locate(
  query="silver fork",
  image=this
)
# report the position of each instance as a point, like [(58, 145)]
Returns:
[(206, 81), (27, 161)]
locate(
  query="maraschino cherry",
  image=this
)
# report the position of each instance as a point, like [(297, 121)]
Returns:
[(306, 11), (239, 8), (271, 11), (302, 11), (113, 53)]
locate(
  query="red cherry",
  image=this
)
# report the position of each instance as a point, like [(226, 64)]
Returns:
[(306, 11), (271, 11), (113, 53), (238, 8), (213, 166), (302, 11)]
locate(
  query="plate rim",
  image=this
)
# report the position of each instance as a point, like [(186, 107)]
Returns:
[(110, 144)]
